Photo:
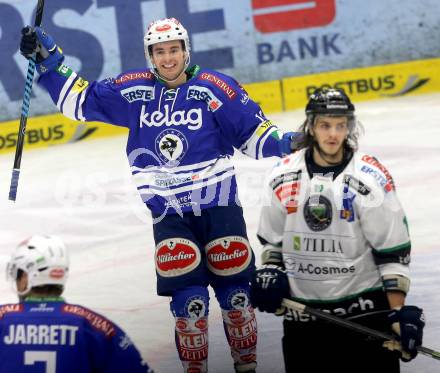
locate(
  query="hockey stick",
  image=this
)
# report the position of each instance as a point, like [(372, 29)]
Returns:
[(390, 342), (24, 112)]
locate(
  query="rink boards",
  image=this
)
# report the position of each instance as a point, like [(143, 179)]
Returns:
[(369, 83)]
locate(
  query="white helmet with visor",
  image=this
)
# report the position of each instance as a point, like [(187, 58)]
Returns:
[(163, 30), (43, 258)]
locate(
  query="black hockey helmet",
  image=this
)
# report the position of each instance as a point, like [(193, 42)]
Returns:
[(331, 101)]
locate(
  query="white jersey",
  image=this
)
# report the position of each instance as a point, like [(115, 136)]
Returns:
[(337, 237)]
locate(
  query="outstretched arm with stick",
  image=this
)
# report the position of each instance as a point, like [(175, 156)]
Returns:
[(24, 112), (43, 55)]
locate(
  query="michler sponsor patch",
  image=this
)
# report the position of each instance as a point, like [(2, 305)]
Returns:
[(219, 83), (7, 308), (176, 257), (134, 76), (389, 185), (228, 255), (98, 322)]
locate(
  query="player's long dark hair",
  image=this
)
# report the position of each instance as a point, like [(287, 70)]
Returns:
[(350, 143)]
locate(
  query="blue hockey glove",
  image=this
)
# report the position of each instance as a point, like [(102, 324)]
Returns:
[(289, 142), (36, 41), (268, 288), (408, 323)]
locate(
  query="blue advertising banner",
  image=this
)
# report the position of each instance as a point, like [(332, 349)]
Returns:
[(253, 40)]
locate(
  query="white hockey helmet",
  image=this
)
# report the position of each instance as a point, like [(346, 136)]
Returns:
[(166, 29), (43, 258)]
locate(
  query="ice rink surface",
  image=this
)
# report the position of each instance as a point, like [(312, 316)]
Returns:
[(83, 193)]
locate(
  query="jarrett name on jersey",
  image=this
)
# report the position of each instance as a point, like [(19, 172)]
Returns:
[(340, 237), (180, 140), (63, 337)]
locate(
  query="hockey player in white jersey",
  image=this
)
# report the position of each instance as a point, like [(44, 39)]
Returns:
[(336, 238)]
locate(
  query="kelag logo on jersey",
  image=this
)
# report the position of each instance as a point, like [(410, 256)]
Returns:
[(284, 15), (138, 93), (204, 94), (192, 118)]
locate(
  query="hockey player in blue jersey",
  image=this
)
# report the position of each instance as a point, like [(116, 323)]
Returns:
[(43, 333), (184, 124)]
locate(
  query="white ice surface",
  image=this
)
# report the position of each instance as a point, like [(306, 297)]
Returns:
[(83, 193)]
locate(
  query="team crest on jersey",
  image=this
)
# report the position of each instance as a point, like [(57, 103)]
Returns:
[(195, 307), (318, 213), (239, 299), (171, 146)]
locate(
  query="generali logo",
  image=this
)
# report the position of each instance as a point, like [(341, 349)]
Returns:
[(283, 15)]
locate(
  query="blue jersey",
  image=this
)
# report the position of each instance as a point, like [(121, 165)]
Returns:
[(51, 336), (180, 140)]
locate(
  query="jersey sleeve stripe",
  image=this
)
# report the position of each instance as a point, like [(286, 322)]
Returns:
[(67, 86), (80, 115), (253, 147), (404, 246), (261, 142)]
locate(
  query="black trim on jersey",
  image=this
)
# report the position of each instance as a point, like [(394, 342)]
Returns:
[(263, 241), (357, 185), (313, 168), (288, 177), (401, 255)]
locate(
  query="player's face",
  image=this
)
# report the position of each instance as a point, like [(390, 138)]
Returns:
[(330, 133), (169, 59)]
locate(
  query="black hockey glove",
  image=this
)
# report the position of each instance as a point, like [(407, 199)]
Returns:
[(36, 41), (268, 288), (408, 323)]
